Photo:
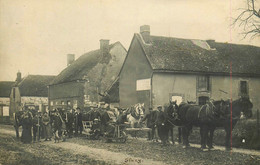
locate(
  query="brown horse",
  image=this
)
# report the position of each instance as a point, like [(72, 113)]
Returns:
[(199, 116), (228, 121)]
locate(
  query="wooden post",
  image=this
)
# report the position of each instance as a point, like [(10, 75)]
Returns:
[(257, 123)]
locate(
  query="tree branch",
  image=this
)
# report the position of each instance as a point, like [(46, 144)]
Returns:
[(249, 18)]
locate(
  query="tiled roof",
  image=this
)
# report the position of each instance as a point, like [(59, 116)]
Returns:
[(5, 88), (186, 55), (35, 85)]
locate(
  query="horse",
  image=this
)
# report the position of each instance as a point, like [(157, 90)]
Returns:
[(228, 121), (151, 118), (172, 119), (166, 120), (136, 113), (199, 116)]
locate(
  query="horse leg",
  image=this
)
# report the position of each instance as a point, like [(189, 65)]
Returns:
[(203, 136), (210, 138), (228, 136), (17, 131), (171, 130), (179, 134), (186, 132)]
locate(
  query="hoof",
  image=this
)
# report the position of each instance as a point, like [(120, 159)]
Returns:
[(212, 149), (185, 147)]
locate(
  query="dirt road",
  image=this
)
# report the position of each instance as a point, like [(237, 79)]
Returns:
[(83, 151)]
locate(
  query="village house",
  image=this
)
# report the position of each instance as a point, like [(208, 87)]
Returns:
[(84, 81), (158, 69), (30, 91), (5, 89)]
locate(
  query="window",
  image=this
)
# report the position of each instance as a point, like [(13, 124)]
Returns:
[(68, 102), (178, 97), (62, 103), (51, 103), (203, 83), (243, 88)]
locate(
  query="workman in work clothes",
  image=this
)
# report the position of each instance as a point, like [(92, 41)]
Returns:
[(69, 122), (150, 118), (160, 124), (37, 125), (78, 121)]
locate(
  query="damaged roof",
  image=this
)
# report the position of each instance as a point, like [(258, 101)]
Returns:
[(186, 55), (89, 66)]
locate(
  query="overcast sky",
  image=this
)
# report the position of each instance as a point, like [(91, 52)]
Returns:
[(37, 35)]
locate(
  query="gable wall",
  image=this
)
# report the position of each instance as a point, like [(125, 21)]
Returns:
[(136, 67)]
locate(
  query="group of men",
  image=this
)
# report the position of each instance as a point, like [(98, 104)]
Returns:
[(68, 123), (37, 125), (154, 120)]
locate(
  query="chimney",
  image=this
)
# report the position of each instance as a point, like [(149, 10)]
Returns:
[(104, 47), (145, 32), (18, 76), (70, 59)]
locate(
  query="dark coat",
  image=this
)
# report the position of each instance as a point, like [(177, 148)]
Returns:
[(26, 121)]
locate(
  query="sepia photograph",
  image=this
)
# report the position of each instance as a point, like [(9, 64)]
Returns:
[(129, 82)]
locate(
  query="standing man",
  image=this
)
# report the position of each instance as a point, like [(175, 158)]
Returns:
[(37, 126), (69, 122), (78, 121), (150, 118), (160, 123), (46, 126)]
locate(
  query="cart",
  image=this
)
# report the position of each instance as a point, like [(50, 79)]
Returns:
[(91, 130), (118, 135)]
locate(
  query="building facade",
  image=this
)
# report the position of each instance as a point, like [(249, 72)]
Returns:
[(5, 89), (158, 69), (30, 91), (86, 80)]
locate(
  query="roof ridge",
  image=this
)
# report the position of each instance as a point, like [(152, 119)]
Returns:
[(7, 81), (235, 44), (40, 75)]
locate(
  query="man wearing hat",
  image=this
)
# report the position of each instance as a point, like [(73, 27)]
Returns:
[(69, 122), (160, 123), (150, 123), (78, 121), (37, 125)]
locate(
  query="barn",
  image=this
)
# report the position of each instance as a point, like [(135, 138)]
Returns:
[(158, 69), (84, 81)]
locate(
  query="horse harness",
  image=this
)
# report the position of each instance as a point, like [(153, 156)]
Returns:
[(208, 109)]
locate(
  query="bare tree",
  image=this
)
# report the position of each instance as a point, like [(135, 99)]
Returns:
[(249, 19)]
